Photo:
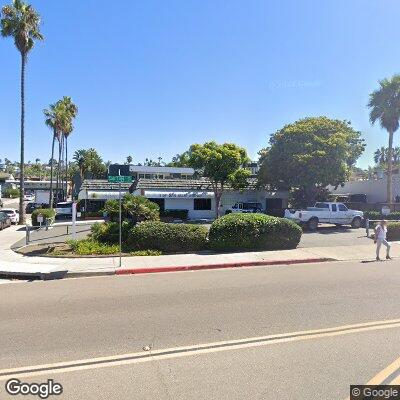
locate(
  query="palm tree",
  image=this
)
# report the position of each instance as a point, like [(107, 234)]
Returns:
[(71, 112), (80, 158), (54, 120), (129, 159), (384, 104), (380, 156), (21, 22)]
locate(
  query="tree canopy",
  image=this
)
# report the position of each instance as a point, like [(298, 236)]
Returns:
[(222, 164), (310, 154)]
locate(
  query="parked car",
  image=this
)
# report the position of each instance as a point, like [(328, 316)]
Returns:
[(31, 207), (1, 203), (246, 207), (12, 213), (5, 220), (29, 197), (326, 212), (64, 209)]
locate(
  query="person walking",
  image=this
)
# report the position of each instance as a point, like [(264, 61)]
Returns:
[(380, 239)]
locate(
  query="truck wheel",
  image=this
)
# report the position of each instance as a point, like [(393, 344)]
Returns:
[(313, 224), (356, 223)]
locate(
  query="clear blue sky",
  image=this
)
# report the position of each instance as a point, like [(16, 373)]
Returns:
[(152, 77)]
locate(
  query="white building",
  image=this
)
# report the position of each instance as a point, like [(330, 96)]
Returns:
[(375, 189), (194, 195)]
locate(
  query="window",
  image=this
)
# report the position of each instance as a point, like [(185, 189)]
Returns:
[(160, 202), (322, 205), (342, 207), (147, 176), (334, 208), (202, 204)]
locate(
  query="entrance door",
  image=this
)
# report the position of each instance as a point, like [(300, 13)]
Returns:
[(160, 202), (274, 206)]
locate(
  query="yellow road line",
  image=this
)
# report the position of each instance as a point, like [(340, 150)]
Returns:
[(385, 373), (187, 351)]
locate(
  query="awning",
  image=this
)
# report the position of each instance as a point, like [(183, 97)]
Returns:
[(194, 194), (100, 194)]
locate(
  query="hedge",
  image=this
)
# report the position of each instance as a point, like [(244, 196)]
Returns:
[(378, 216), (48, 213), (393, 231), (238, 232), (167, 237)]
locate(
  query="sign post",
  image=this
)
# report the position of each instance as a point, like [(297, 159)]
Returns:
[(40, 220), (120, 179), (74, 220)]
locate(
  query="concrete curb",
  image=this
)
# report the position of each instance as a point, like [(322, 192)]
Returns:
[(129, 271)]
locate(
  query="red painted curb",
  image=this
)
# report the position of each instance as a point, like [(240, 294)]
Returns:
[(127, 271)]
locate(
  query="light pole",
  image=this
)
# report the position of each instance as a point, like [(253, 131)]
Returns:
[(120, 219)]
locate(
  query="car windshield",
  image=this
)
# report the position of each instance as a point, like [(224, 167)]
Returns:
[(64, 205)]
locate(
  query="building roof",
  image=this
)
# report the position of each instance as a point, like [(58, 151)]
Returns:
[(103, 184), (4, 175), (161, 184), (161, 169)]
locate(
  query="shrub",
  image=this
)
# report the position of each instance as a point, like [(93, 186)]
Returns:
[(378, 216), (174, 214), (393, 231), (48, 214), (167, 237), (10, 192), (108, 232), (134, 208), (253, 232), (86, 247)]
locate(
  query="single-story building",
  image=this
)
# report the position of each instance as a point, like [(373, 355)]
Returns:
[(194, 195)]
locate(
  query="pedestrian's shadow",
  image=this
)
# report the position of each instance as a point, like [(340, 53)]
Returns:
[(369, 261)]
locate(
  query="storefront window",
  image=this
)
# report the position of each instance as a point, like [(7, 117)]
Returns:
[(202, 204)]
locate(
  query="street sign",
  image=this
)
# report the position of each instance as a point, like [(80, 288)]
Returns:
[(385, 210), (40, 218), (120, 179)]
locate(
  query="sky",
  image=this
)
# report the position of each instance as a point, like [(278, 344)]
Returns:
[(152, 77)]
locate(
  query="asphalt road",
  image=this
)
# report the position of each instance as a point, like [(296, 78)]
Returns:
[(241, 310)]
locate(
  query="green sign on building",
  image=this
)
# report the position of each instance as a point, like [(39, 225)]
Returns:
[(120, 179)]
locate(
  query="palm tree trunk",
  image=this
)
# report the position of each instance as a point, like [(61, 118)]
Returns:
[(389, 170), (22, 158), (51, 171), (58, 170), (66, 166)]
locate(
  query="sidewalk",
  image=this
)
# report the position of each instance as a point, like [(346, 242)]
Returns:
[(14, 262)]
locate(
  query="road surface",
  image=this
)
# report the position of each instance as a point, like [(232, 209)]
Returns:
[(287, 332)]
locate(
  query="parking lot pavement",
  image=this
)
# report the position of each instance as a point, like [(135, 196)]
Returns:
[(332, 236)]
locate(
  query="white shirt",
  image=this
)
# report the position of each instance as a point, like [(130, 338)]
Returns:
[(380, 232)]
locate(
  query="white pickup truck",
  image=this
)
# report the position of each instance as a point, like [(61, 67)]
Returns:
[(326, 213)]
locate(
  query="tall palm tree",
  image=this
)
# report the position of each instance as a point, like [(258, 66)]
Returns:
[(80, 158), (54, 120), (71, 111), (21, 22), (384, 104)]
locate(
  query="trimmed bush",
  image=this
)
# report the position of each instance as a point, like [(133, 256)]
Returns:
[(168, 238), (174, 214), (12, 193), (393, 231), (134, 209), (108, 232), (378, 216), (48, 214), (237, 232)]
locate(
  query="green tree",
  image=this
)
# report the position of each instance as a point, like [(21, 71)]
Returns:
[(89, 163), (384, 105), (129, 159), (381, 156), (180, 160), (222, 164), (21, 22), (310, 154)]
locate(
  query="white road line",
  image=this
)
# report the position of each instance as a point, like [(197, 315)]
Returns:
[(188, 351)]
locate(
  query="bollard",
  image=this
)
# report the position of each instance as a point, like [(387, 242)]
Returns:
[(367, 226)]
